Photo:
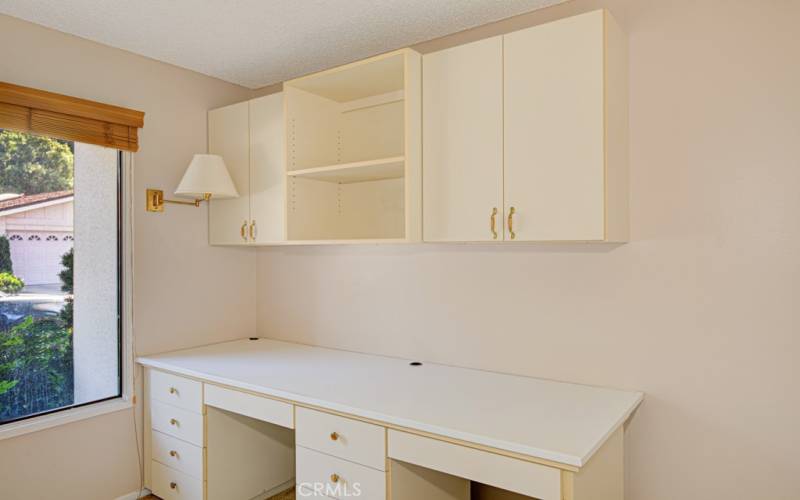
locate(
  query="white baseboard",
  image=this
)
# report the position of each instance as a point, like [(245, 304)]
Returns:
[(135, 495), (274, 491)]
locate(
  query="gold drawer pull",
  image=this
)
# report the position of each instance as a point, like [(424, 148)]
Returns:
[(335, 478), (493, 223), (334, 436), (173, 390), (511, 213), (174, 422), (173, 453), (173, 485), (243, 231), (253, 230)]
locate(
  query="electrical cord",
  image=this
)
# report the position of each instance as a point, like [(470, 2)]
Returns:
[(128, 173)]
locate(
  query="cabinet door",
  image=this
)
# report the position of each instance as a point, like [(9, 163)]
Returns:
[(267, 169), (462, 157), (554, 130), (228, 136)]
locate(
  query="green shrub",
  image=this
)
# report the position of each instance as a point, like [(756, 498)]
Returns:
[(36, 368), (5, 256), (10, 284), (67, 260)]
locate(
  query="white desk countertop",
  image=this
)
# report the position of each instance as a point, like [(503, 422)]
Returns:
[(550, 420)]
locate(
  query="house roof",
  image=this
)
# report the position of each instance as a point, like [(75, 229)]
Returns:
[(33, 199)]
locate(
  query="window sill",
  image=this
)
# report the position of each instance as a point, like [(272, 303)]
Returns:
[(62, 417)]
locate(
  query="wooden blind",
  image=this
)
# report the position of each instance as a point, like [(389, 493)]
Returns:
[(55, 115)]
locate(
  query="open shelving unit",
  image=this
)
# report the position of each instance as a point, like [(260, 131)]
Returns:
[(353, 152), (357, 171)]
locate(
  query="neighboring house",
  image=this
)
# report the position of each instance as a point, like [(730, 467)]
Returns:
[(39, 230)]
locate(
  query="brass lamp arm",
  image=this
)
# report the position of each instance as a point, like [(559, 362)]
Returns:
[(196, 202), (156, 200)]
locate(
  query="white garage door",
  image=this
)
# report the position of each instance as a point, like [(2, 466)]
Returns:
[(36, 256)]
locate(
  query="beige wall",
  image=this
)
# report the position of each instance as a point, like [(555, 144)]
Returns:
[(700, 310), (186, 293)]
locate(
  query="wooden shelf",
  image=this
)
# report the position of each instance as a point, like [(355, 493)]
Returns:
[(359, 171)]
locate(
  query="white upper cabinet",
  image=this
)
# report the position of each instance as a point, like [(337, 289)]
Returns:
[(268, 171), (229, 137), (463, 142), (523, 138), (537, 119), (556, 129), (249, 137)]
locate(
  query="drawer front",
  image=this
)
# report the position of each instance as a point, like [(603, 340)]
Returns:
[(268, 410), (333, 477), (178, 454), (170, 484), (538, 481), (177, 422), (177, 391), (341, 437)]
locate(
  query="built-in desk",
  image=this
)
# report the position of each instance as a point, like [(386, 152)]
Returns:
[(398, 430)]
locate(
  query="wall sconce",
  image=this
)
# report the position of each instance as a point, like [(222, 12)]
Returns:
[(206, 177)]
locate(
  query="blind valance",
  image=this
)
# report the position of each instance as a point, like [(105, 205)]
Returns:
[(55, 115)]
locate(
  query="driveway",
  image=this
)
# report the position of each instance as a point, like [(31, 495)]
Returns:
[(38, 301)]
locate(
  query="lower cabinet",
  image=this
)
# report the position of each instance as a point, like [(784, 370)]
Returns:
[(177, 422), (176, 436), (172, 484), (526, 478), (211, 443), (342, 437), (339, 457), (179, 455), (207, 442), (326, 476)]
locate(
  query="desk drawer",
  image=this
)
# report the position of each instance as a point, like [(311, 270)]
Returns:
[(177, 422), (178, 454), (268, 410), (170, 484), (337, 478), (341, 437), (177, 391), (538, 481)]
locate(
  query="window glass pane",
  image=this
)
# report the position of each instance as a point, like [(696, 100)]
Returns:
[(59, 274)]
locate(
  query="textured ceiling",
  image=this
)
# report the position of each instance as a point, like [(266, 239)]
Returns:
[(259, 42)]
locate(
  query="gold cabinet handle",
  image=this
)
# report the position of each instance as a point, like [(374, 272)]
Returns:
[(173, 390), (243, 231), (173, 453), (335, 478), (173, 485), (334, 436), (493, 223), (511, 212), (174, 422), (253, 230)]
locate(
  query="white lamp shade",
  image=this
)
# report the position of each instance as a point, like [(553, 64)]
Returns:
[(207, 174)]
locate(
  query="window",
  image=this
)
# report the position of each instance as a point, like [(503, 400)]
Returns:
[(60, 274)]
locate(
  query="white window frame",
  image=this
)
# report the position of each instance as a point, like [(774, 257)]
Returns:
[(126, 400)]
